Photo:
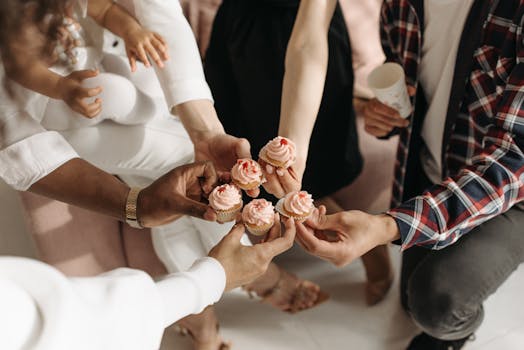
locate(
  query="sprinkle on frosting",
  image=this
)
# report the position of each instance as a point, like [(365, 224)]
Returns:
[(225, 197), (299, 203), (246, 171), (258, 212), (282, 150)]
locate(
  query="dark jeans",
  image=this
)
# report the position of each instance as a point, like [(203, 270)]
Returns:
[(443, 290)]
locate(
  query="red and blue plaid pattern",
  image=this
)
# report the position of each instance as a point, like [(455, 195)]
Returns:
[(484, 157)]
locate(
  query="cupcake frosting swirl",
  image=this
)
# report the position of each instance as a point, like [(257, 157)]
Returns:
[(246, 171), (300, 203), (258, 212), (225, 197), (282, 150)]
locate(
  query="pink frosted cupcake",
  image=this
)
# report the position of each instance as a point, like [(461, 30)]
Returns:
[(258, 216), (279, 152), (296, 205), (247, 174), (226, 200)]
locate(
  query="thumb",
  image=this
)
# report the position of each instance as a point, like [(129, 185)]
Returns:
[(236, 233), (83, 74), (243, 148), (320, 221)]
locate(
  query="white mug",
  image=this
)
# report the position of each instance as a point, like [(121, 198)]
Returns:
[(388, 83)]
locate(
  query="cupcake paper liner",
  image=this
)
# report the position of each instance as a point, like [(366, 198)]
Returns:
[(249, 186), (259, 230), (262, 155), (298, 218), (230, 214)]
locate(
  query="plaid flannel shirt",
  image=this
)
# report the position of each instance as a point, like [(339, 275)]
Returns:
[(483, 157)]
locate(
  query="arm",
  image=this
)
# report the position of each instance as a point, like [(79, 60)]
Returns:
[(34, 74), (305, 74), (140, 42), (184, 85)]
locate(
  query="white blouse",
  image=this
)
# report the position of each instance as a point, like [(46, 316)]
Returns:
[(122, 309), (29, 152)]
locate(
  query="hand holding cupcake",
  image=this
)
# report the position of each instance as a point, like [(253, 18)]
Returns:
[(247, 174), (226, 200), (258, 216), (279, 152), (297, 205)]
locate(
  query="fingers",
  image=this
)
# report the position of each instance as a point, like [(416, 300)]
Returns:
[(236, 233), (280, 245), (254, 193), (193, 208), (161, 48), (311, 243), (209, 174), (274, 232), (272, 184), (412, 90), (132, 61), (90, 110), (151, 51), (381, 119), (141, 53), (83, 74), (243, 148), (288, 180)]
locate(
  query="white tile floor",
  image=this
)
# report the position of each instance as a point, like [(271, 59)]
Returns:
[(345, 322)]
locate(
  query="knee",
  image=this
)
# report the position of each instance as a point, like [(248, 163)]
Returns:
[(434, 305)]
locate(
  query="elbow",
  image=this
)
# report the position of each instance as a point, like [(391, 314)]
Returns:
[(312, 52)]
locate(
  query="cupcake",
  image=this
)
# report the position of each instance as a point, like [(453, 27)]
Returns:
[(279, 152), (247, 174), (258, 216), (297, 205), (226, 200)]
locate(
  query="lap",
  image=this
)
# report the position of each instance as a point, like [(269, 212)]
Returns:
[(472, 268)]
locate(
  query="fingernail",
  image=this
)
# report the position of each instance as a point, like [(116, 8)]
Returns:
[(280, 172), (269, 169)]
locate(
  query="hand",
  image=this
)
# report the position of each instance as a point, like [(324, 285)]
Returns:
[(281, 181), (243, 264), (140, 43), (179, 192), (381, 119), (342, 237), (72, 92), (223, 150)]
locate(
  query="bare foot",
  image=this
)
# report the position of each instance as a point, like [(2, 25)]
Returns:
[(286, 291), (203, 329)]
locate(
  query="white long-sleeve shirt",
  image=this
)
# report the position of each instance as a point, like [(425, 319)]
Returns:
[(42, 309), (28, 152)]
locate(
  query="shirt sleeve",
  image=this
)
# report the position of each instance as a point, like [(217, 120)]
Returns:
[(121, 309), (491, 185), (182, 79), (186, 293), (28, 152)]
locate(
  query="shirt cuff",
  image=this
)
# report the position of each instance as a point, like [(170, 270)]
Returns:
[(31, 159), (189, 292), (188, 90)]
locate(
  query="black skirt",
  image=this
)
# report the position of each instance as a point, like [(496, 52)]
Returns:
[(244, 67)]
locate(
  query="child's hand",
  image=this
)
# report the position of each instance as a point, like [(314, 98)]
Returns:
[(79, 97), (141, 43)]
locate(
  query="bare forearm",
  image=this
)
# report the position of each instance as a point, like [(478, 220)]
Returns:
[(199, 118), (37, 77), (306, 67), (122, 23), (80, 183)]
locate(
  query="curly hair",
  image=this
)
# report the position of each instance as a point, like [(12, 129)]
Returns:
[(14, 14)]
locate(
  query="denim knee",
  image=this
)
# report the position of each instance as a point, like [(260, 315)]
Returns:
[(439, 308)]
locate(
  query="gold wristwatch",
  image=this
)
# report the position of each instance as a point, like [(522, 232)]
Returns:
[(131, 203)]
